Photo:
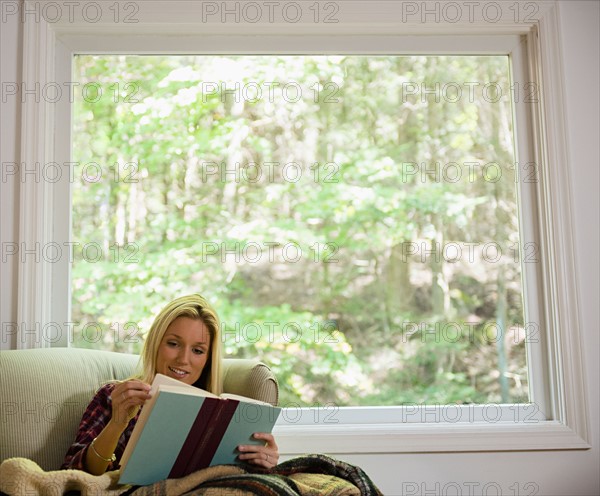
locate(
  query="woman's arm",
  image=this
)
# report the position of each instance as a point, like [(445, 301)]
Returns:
[(100, 453), (126, 399), (100, 433)]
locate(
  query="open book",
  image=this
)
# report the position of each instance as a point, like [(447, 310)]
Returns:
[(183, 428)]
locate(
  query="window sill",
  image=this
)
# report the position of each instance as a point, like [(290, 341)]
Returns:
[(421, 438)]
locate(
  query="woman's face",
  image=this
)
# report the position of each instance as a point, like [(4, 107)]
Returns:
[(184, 350)]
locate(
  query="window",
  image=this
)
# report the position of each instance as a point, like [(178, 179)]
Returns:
[(353, 218), (554, 366)]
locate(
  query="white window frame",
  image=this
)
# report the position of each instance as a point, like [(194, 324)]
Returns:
[(376, 27)]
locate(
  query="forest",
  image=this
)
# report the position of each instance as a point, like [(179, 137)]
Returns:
[(353, 219)]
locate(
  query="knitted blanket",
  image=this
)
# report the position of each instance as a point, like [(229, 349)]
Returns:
[(310, 475)]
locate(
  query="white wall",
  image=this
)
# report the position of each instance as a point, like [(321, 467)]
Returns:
[(10, 126), (548, 473)]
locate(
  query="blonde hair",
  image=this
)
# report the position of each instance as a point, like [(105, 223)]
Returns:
[(192, 306)]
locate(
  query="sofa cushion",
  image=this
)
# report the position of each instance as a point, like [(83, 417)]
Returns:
[(45, 392)]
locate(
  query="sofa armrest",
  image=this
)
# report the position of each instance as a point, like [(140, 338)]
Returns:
[(250, 378)]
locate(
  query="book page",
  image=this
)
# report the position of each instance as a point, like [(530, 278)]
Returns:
[(230, 396), (166, 383), (137, 430), (175, 386)]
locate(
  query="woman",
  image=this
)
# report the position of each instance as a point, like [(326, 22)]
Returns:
[(183, 343)]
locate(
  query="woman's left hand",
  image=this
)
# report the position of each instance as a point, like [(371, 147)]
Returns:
[(264, 455)]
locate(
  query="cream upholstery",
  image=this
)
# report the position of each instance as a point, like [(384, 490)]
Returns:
[(44, 393)]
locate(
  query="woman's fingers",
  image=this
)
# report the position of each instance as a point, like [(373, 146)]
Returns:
[(268, 438), (127, 397), (128, 390), (261, 458), (266, 455)]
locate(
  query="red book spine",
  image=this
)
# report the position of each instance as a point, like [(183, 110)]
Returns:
[(203, 420), (213, 435)]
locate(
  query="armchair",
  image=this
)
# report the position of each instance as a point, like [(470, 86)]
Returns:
[(44, 393)]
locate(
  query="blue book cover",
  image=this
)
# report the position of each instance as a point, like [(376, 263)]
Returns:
[(182, 429), (247, 419)]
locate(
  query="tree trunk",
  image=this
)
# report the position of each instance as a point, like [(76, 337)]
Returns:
[(399, 293)]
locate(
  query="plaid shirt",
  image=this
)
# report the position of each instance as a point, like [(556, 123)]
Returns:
[(94, 420)]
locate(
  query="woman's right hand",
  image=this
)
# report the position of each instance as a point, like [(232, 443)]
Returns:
[(127, 398)]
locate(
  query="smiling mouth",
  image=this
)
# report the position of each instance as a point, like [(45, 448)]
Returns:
[(178, 372)]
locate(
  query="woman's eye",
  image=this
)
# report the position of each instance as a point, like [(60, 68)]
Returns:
[(198, 351), (172, 343)]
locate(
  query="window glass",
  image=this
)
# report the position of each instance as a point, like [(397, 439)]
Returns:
[(353, 219)]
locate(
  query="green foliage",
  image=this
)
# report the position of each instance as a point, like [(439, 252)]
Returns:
[(197, 188)]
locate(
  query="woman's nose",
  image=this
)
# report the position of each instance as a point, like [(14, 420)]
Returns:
[(184, 354)]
